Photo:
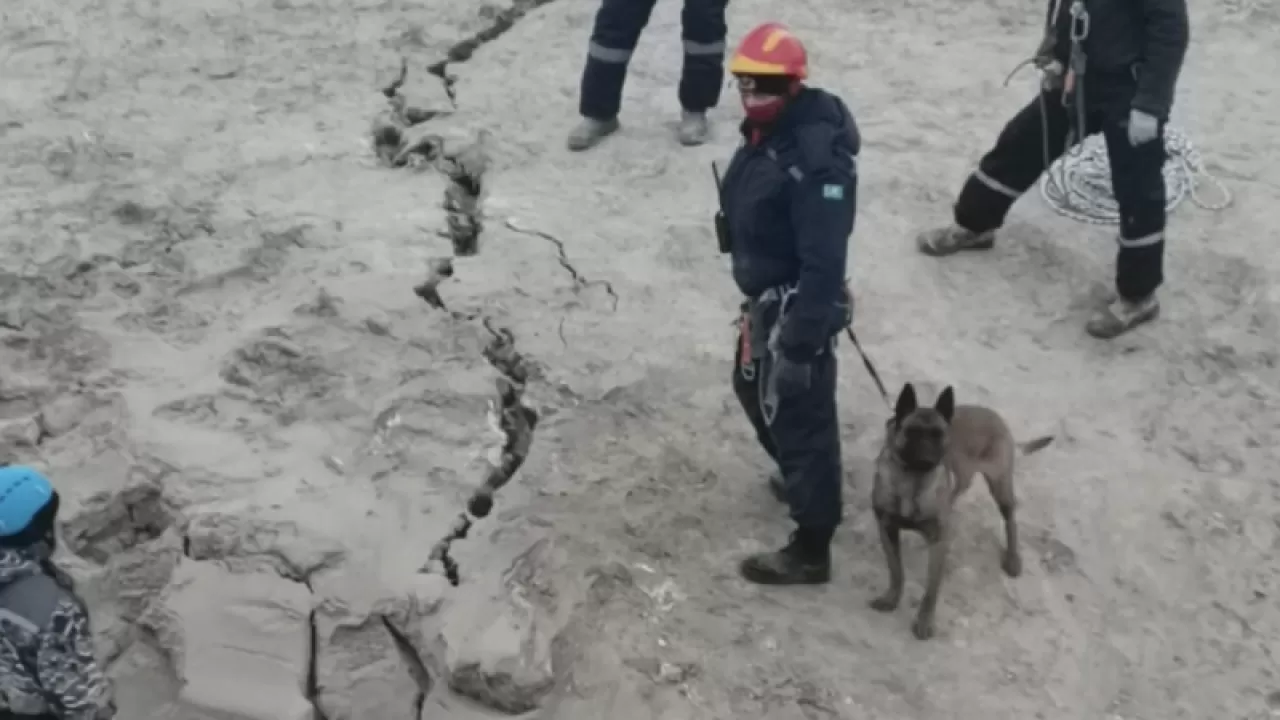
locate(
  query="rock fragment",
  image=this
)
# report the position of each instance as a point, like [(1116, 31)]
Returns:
[(503, 659), (371, 662)]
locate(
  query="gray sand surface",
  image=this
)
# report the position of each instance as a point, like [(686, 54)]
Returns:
[(211, 341)]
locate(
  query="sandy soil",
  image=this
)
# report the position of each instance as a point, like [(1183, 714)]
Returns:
[(211, 340)]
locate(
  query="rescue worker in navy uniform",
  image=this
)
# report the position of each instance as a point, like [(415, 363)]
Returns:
[(1129, 56), (788, 201), (617, 30), (47, 666)]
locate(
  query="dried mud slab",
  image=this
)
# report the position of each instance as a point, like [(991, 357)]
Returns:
[(239, 643)]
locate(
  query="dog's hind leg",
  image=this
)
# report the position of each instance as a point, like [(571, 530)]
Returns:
[(1001, 487)]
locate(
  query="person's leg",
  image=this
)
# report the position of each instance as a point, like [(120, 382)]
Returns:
[(806, 429), (617, 29), (1137, 181), (747, 387), (702, 76), (1007, 171)]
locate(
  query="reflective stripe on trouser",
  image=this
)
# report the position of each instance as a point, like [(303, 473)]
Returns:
[(617, 29), (1016, 162), (801, 435), (1011, 166), (703, 31), (616, 32), (1137, 181)]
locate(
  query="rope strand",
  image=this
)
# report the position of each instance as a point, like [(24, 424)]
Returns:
[(1078, 184)]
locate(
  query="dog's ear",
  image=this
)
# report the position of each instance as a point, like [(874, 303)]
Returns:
[(906, 402), (946, 404)]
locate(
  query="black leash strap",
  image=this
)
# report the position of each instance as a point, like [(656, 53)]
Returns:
[(866, 362)]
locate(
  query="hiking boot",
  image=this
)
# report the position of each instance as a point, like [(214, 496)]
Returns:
[(805, 560), (588, 133), (693, 129), (952, 239), (1120, 316), (778, 487)]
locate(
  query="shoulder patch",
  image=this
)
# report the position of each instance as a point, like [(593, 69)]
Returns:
[(833, 192)]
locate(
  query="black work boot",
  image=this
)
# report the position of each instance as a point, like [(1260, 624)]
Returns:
[(805, 560)]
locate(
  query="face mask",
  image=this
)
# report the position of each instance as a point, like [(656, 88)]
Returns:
[(764, 98), (762, 109)]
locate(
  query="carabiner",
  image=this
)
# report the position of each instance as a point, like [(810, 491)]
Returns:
[(1079, 21)]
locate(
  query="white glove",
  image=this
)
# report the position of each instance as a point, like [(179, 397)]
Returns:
[(1143, 128)]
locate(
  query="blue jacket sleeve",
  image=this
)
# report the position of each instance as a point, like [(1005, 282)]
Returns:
[(823, 206)]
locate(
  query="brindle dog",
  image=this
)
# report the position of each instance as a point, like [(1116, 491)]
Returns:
[(928, 460)]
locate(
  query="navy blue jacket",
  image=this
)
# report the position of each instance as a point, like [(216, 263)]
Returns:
[(1131, 42), (790, 198)]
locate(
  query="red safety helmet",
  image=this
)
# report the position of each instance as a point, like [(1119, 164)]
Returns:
[(771, 49)]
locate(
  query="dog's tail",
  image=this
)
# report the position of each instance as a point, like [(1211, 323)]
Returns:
[(1035, 445)]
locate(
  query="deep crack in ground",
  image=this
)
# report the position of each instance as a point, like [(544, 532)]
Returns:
[(500, 22), (396, 145), (517, 422), (313, 666), (413, 661), (401, 139)]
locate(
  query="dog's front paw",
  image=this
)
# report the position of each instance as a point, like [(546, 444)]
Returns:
[(1012, 564), (887, 602), (922, 628)]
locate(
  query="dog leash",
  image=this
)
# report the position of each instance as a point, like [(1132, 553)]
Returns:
[(870, 366)]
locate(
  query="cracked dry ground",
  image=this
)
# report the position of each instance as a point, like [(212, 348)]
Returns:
[(215, 338)]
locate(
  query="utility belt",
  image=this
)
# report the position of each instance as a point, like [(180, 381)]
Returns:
[(760, 324)]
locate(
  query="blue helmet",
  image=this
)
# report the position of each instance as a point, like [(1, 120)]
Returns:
[(24, 492)]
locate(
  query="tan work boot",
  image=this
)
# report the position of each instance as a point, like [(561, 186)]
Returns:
[(952, 239), (1120, 316), (693, 129), (588, 133)]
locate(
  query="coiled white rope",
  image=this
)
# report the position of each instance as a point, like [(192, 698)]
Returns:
[(1078, 184)]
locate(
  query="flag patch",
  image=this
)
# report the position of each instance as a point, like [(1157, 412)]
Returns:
[(833, 192)]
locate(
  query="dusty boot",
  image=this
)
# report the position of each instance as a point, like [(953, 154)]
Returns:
[(805, 560), (693, 128), (590, 132), (778, 487), (952, 239), (1121, 316)]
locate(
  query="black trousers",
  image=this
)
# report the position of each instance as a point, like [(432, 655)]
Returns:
[(617, 29), (802, 435), (1016, 161)]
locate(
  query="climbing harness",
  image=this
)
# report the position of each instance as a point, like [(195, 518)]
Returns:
[(748, 368), (1078, 184)]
